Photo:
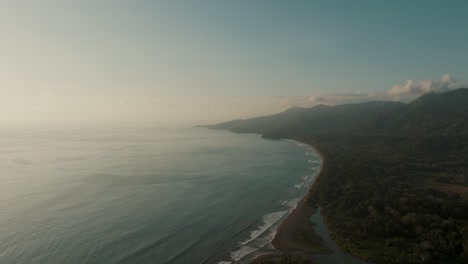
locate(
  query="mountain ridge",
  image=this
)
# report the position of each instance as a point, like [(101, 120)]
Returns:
[(432, 113), (394, 181)]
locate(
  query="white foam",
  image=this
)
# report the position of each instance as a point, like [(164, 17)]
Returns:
[(299, 185), (254, 246), (293, 203), (299, 144), (272, 235), (268, 220), (264, 234), (243, 251)]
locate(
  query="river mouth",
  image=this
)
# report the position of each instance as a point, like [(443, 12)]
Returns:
[(337, 256), (304, 231)]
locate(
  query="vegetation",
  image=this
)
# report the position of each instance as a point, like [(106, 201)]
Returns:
[(394, 187), (378, 200)]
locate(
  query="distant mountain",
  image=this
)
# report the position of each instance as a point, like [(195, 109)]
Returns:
[(445, 113), (262, 125), (317, 119), (430, 114), (394, 187)]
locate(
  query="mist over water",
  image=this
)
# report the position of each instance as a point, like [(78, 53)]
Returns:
[(144, 194)]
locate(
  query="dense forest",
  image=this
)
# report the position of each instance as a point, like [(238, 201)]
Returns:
[(395, 200), (394, 185)]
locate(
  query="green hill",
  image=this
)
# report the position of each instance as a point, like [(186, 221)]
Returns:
[(315, 120), (394, 184), (431, 114)]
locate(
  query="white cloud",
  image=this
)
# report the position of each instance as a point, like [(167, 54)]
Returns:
[(334, 99), (405, 92), (412, 87), (49, 107), (316, 99)]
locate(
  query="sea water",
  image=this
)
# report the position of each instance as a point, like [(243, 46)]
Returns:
[(144, 194)]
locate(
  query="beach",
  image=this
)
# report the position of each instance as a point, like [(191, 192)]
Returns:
[(296, 234), (305, 234)]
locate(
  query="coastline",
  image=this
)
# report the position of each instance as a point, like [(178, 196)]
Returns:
[(295, 235), (296, 232)]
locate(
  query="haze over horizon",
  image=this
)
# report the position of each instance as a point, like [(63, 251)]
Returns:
[(118, 61)]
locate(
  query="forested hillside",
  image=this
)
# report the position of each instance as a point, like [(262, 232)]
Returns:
[(394, 186)]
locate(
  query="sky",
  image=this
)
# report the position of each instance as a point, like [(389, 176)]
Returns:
[(214, 60)]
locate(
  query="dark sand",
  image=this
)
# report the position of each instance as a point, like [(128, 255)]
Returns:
[(296, 234)]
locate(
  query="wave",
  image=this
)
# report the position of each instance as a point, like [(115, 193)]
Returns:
[(268, 220), (292, 204), (240, 253), (260, 238), (299, 144), (142, 249), (299, 185), (245, 248), (254, 243)]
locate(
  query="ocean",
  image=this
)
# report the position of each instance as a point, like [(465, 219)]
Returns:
[(145, 193)]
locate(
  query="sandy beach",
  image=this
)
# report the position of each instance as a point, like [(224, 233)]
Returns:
[(296, 234)]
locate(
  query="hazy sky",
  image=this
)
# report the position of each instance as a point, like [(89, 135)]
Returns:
[(213, 60)]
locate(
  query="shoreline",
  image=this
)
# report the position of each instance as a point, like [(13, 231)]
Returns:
[(295, 235)]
